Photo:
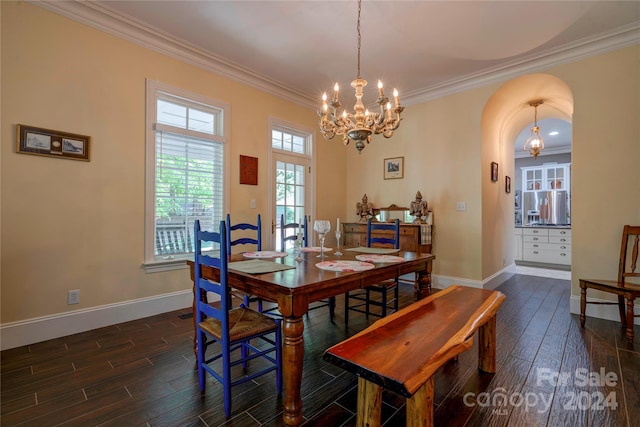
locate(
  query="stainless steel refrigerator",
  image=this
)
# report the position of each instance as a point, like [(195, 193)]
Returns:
[(546, 208)]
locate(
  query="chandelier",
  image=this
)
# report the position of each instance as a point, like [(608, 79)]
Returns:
[(361, 124), (534, 144)]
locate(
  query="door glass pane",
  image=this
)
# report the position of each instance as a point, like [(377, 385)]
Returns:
[(290, 196)]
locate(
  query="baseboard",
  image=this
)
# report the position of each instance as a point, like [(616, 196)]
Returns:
[(491, 282), (605, 312), (25, 332)]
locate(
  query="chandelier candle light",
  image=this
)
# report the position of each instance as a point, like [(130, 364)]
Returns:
[(360, 125), (534, 144)]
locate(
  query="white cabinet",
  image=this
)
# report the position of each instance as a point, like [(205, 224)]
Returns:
[(517, 240), (546, 245), (549, 176)]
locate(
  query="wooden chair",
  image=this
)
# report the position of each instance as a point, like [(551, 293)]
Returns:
[(288, 233), (363, 298), (230, 329), (627, 268)]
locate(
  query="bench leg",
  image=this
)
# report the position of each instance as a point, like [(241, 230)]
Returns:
[(487, 346), (420, 406), (369, 404)]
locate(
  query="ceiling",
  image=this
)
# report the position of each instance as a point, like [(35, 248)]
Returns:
[(425, 49), (555, 134)]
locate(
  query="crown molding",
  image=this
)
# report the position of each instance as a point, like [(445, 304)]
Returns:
[(107, 20), (605, 42)]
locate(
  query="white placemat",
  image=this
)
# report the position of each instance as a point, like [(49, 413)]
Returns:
[(345, 265), (379, 258), (364, 250), (264, 254), (315, 249)]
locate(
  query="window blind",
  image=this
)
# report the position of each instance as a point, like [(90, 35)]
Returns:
[(189, 186)]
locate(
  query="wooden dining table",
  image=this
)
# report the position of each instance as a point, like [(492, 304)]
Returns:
[(294, 289)]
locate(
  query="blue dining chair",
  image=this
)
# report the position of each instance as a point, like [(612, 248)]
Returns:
[(285, 236), (362, 298), (244, 240), (225, 334), (233, 230)]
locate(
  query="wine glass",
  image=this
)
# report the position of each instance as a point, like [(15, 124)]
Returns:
[(322, 227), (297, 244), (338, 235)]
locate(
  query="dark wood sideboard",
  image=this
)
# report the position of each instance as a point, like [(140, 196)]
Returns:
[(355, 234)]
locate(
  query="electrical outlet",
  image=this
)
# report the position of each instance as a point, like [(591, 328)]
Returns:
[(461, 206), (73, 297), (253, 203)]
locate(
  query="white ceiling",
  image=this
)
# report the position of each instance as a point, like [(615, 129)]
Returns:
[(426, 49), (553, 144)]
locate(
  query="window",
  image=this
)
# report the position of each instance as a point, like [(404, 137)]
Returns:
[(287, 140), (186, 172)]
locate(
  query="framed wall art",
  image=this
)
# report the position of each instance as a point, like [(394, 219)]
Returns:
[(507, 184), (248, 170), (494, 171), (52, 143), (394, 168)]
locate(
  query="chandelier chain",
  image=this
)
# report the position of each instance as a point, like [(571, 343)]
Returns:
[(358, 125), (359, 35)]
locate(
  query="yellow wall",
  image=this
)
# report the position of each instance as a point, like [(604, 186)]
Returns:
[(440, 143), (78, 225), (605, 158), (448, 147)]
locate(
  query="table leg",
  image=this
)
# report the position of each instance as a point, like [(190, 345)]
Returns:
[(487, 346), (423, 282), (292, 360)]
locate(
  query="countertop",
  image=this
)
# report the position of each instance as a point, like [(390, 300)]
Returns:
[(545, 226)]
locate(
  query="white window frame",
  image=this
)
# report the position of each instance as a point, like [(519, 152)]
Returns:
[(153, 263)]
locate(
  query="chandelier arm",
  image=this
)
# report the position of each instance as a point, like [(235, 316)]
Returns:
[(360, 124)]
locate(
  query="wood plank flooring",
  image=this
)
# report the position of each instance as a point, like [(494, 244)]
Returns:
[(141, 373)]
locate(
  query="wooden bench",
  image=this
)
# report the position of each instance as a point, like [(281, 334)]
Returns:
[(402, 351)]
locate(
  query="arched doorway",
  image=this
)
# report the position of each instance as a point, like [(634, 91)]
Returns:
[(506, 113)]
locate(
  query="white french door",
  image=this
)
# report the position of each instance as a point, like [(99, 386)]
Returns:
[(291, 191)]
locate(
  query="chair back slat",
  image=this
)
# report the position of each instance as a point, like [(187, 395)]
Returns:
[(383, 240), (288, 232), (629, 253), (243, 226)]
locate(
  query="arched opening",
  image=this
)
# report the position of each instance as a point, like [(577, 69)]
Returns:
[(506, 114)]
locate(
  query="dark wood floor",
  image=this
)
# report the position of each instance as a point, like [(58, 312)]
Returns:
[(141, 373)]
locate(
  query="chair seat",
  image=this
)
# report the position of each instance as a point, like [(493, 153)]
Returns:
[(243, 323), (611, 286)]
